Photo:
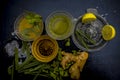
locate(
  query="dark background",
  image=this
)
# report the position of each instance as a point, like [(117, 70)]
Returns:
[(101, 65)]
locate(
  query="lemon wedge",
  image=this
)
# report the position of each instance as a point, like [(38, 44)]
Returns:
[(108, 32), (88, 17)]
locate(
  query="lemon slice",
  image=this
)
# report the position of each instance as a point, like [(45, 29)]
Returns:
[(108, 32), (88, 17)]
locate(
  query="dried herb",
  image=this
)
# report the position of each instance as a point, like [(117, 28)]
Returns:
[(46, 47)]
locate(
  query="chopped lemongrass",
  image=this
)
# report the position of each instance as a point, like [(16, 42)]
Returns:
[(86, 36), (16, 59), (81, 39)]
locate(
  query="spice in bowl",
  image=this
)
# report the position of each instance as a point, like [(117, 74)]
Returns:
[(44, 48)]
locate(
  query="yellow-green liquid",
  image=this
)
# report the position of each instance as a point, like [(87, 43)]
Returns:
[(60, 27)]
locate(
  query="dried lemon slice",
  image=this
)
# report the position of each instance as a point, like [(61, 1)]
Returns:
[(88, 17), (108, 32)]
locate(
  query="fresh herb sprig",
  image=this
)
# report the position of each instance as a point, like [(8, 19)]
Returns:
[(33, 18)]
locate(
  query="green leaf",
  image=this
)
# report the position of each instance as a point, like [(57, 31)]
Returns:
[(74, 52), (66, 74), (33, 17), (37, 16), (67, 42), (68, 65), (53, 75), (61, 72)]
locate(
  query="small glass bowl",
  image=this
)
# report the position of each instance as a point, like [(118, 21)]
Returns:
[(20, 35), (59, 25)]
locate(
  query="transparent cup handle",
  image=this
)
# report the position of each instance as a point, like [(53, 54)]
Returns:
[(92, 10), (14, 35), (74, 21)]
